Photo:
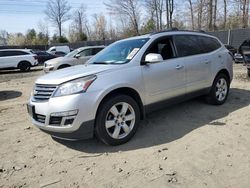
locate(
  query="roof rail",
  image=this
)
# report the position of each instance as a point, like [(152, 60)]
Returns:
[(176, 29)]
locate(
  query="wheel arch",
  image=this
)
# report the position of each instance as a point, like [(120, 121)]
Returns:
[(126, 91), (23, 61), (225, 72), (64, 66)]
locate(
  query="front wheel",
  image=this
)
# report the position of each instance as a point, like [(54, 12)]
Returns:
[(219, 91), (117, 120)]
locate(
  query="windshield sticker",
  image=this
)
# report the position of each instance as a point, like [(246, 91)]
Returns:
[(132, 54)]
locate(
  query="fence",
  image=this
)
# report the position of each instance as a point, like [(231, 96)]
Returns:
[(234, 37), (71, 45)]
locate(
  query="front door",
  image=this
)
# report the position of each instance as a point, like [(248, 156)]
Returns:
[(166, 79)]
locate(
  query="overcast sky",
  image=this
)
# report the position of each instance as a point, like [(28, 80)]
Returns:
[(20, 15)]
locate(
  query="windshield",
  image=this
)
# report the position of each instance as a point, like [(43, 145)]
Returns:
[(120, 52)]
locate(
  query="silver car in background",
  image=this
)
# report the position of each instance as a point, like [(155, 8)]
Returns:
[(76, 57), (110, 94)]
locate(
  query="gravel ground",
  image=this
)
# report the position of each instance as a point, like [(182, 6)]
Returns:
[(191, 144)]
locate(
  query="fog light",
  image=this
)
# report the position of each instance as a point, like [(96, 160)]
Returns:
[(65, 114)]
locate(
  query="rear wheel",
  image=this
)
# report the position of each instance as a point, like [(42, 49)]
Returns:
[(24, 66), (117, 120), (219, 91)]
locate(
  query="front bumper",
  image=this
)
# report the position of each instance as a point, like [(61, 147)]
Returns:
[(73, 127), (48, 69)]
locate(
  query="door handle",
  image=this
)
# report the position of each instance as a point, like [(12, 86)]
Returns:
[(207, 62), (178, 67)]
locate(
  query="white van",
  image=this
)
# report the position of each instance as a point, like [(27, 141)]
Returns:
[(54, 49)]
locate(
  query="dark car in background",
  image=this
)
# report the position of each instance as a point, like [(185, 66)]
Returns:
[(231, 49), (244, 46), (43, 56)]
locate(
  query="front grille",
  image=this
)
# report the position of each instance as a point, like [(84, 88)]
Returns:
[(43, 92), (40, 118), (55, 121)]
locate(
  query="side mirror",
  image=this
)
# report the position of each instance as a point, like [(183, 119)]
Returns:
[(153, 58), (77, 56)]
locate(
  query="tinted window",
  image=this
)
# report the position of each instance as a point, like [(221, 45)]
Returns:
[(163, 47), (60, 53), (208, 44), (87, 52), (193, 44), (96, 50), (13, 53), (187, 45)]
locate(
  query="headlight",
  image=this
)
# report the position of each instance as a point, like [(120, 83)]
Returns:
[(48, 65), (75, 86)]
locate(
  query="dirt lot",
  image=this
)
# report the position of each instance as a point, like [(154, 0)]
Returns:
[(192, 144)]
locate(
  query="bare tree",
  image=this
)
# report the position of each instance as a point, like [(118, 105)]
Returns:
[(191, 12), (210, 14), (58, 12), (128, 8), (156, 9), (81, 22), (100, 25), (245, 13), (215, 15), (169, 12), (225, 14)]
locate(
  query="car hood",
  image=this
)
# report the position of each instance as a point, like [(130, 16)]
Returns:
[(71, 73), (60, 60)]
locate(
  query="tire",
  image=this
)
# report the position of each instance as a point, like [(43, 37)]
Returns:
[(219, 91), (248, 72), (24, 66), (63, 66), (115, 126)]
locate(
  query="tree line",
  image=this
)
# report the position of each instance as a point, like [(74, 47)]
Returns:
[(135, 17)]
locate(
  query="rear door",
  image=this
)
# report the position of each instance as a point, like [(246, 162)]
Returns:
[(198, 63), (9, 59)]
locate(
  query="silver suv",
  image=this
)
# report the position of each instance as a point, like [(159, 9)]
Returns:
[(110, 94)]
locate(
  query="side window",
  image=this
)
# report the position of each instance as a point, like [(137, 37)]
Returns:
[(208, 44), (163, 47), (1, 54), (187, 45), (96, 50), (87, 52)]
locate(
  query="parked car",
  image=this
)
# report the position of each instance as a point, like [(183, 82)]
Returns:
[(18, 59), (54, 49), (246, 55), (76, 57), (238, 58), (110, 94), (43, 56), (231, 49), (244, 46)]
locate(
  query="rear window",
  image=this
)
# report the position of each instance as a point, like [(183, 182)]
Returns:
[(208, 44), (188, 45)]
